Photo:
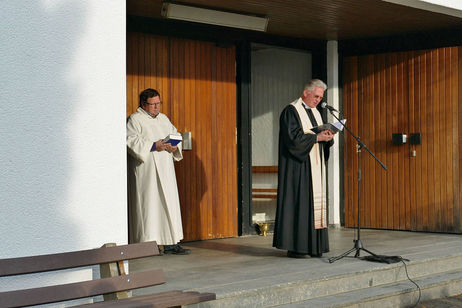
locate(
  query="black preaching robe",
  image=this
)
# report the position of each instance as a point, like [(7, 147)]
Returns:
[(294, 227)]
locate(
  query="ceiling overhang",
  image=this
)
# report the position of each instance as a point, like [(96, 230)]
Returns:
[(328, 20)]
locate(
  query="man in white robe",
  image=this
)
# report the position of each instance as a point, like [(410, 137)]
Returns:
[(154, 206)]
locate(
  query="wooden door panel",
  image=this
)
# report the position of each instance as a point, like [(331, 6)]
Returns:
[(405, 92), (197, 83), (147, 66)]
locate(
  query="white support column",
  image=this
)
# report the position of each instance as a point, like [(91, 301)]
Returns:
[(334, 160)]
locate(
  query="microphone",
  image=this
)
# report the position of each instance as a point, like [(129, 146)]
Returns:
[(324, 105)]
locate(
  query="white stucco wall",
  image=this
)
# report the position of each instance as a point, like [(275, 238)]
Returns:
[(62, 126)]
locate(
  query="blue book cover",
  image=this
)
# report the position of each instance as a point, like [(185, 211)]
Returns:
[(173, 139)]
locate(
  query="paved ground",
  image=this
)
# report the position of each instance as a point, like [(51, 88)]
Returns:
[(233, 264), (448, 302)]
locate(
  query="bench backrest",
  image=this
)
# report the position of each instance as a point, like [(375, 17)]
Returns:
[(58, 261), (44, 263)]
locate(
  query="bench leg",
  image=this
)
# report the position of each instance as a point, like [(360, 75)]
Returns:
[(113, 269)]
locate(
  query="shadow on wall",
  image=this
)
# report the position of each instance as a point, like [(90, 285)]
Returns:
[(35, 55), (193, 209)]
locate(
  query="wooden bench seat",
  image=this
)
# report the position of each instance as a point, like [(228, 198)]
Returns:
[(104, 286), (264, 193), (164, 299)]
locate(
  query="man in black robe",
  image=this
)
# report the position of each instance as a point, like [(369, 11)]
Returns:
[(301, 215)]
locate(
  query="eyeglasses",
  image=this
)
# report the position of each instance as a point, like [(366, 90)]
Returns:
[(153, 104)]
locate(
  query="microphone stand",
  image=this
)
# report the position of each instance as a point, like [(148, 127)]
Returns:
[(358, 245)]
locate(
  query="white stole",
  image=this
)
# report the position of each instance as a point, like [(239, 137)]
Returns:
[(318, 172)]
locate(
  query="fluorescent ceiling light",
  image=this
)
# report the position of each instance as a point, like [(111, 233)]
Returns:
[(208, 16)]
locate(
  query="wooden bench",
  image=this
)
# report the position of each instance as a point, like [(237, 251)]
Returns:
[(110, 259), (264, 193)]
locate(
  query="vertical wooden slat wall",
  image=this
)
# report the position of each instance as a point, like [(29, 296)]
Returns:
[(404, 92), (198, 89)]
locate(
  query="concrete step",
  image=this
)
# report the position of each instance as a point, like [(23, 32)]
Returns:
[(371, 282), (393, 295)]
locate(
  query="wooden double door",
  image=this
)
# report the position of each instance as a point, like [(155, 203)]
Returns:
[(406, 92), (197, 84)]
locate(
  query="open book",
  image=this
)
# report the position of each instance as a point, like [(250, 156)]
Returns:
[(173, 139), (335, 127)]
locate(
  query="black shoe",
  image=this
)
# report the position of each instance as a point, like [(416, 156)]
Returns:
[(294, 254), (316, 255), (176, 250)]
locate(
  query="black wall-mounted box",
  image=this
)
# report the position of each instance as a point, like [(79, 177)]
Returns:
[(399, 139), (415, 138)]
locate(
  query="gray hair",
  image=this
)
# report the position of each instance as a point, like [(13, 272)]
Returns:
[(315, 83)]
